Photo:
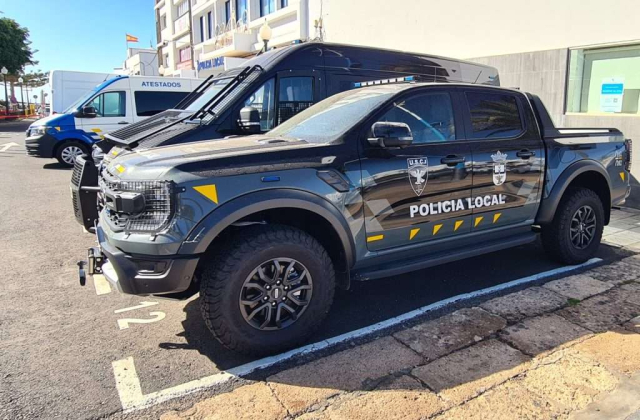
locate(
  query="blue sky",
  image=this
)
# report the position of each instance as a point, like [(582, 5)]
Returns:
[(84, 35)]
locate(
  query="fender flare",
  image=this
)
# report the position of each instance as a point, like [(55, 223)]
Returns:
[(222, 217), (550, 203)]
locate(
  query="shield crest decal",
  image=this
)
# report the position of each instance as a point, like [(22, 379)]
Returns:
[(499, 168), (418, 173)]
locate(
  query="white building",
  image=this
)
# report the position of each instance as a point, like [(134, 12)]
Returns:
[(173, 30), (141, 62)]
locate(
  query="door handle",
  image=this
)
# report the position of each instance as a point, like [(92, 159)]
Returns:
[(123, 122), (525, 153), (452, 160)]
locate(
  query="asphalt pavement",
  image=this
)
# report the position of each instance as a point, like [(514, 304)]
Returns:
[(58, 340)]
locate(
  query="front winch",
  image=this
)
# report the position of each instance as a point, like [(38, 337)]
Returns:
[(93, 265)]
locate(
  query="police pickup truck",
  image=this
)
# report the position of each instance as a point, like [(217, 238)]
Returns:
[(368, 183)]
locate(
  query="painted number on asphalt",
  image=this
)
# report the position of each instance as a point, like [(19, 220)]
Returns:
[(123, 323)]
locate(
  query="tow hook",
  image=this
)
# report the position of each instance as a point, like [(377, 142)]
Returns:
[(93, 265)]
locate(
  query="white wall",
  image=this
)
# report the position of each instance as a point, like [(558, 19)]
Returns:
[(472, 28)]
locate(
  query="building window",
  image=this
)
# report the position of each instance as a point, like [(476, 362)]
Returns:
[(185, 54), (284, 3), (163, 21), (267, 7), (604, 80), (201, 28), (493, 115), (227, 11), (183, 8), (241, 11), (210, 24), (165, 60)]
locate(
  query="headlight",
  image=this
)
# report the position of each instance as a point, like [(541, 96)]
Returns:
[(140, 206), (40, 130)]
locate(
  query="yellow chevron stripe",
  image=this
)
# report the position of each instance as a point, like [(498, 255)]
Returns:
[(413, 233), (375, 238), (436, 228), (457, 224), (496, 217), (478, 220)]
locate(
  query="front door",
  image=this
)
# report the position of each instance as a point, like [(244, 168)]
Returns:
[(508, 158), (418, 193), (112, 111)]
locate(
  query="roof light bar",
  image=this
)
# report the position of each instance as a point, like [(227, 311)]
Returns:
[(385, 81)]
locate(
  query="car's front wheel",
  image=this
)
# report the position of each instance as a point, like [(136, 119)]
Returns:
[(576, 231), (69, 151), (268, 290)]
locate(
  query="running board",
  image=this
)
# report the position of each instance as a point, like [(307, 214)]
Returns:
[(405, 266)]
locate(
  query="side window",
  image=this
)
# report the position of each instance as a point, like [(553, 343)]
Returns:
[(493, 115), (150, 103), (110, 104), (429, 115), (263, 99), (295, 94)]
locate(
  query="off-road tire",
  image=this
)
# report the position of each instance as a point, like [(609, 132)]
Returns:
[(223, 276), (66, 145), (556, 237)]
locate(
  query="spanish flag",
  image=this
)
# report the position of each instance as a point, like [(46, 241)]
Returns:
[(131, 38)]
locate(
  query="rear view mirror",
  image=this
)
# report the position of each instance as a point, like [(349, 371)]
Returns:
[(249, 120), (391, 134), (89, 112)]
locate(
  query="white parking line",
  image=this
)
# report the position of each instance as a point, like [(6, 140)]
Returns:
[(101, 284), (132, 398)]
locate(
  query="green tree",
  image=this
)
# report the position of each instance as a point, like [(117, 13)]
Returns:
[(15, 47)]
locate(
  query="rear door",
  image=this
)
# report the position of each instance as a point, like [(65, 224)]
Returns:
[(508, 157), (418, 193)]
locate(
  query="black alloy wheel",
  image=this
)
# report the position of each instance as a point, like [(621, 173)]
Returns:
[(275, 294)]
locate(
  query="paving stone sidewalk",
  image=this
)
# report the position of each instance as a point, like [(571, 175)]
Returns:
[(567, 349)]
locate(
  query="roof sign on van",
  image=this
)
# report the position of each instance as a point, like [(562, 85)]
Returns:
[(385, 81)]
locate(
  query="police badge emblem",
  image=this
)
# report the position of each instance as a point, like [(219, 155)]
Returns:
[(499, 168), (418, 171)]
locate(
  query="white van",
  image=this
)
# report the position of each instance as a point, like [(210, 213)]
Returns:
[(112, 104), (69, 86)]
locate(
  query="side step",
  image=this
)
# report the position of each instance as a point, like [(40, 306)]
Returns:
[(404, 266)]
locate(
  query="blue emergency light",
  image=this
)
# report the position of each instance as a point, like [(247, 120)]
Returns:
[(385, 81)]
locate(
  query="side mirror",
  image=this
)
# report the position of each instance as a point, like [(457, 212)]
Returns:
[(391, 134), (89, 112), (249, 120)]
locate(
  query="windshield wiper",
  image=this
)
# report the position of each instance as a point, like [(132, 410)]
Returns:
[(246, 75)]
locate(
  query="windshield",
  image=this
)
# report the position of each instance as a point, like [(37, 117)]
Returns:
[(212, 91), (74, 106), (330, 119)]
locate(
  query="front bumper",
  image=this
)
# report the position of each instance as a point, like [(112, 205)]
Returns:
[(41, 146), (131, 274)]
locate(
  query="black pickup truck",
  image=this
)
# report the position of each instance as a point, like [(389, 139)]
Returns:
[(368, 183)]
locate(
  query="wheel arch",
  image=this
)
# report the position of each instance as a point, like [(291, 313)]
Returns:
[(585, 173), (66, 140), (296, 208)]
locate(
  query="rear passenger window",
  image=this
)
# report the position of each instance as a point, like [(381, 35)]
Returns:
[(493, 115), (294, 95), (151, 103)]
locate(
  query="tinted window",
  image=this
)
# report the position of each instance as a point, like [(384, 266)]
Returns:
[(110, 104), (429, 115), (493, 115), (263, 99), (150, 103), (294, 95)]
